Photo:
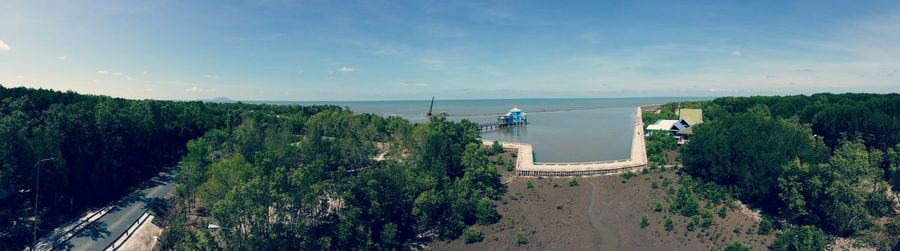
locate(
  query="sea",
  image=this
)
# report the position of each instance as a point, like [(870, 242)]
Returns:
[(560, 130)]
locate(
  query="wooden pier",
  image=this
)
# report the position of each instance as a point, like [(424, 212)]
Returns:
[(496, 125), (526, 166)]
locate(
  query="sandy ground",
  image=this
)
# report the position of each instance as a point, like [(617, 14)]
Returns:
[(600, 213), (145, 236)]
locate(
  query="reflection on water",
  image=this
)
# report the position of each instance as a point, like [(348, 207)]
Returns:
[(574, 136)]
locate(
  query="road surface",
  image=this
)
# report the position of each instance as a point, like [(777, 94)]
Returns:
[(104, 231)]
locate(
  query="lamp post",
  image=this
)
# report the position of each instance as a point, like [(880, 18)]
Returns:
[(37, 183)]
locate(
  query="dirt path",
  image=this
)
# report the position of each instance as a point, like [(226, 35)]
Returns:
[(604, 237)]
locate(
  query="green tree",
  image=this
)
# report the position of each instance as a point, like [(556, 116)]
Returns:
[(731, 151), (496, 148), (737, 246), (765, 226), (800, 238), (686, 202)]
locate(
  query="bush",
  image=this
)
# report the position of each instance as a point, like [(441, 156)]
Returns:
[(669, 225), (628, 175), (686, 202), (510, 167), (723, 212), (496, 148), (573, 182), (692, 224), (485, 212), (707, 220), (644, 222), (737, 246), (657, 208), (800, 238), (654, 185), (472, 235), (520, 239), (765, 226), (529, 185)]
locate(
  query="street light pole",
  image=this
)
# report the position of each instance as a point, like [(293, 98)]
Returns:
[(37, 186)]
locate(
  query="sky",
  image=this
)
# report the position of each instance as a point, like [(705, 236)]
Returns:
[(387, 50)]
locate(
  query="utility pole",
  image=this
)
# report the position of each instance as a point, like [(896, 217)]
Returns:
[(37, 186)]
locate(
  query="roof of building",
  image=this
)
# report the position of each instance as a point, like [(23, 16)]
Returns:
[(687, 131), (692, 116), (662, 125), (515, 109), (679, 125)]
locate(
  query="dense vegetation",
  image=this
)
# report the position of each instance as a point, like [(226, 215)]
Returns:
[(823, 160), (100, 146), (276, 186), (273, 176)]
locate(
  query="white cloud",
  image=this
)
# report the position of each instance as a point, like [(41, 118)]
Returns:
[(345, 69), (198, 89), (737, 54), (20, 77), (3, 46), (62, 58), (102, 72)]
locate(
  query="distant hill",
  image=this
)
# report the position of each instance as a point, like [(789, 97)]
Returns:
[(222, 100)]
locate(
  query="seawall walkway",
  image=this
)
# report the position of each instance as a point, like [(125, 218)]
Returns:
[(526, 166)]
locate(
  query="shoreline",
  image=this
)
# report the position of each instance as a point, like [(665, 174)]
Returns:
[(526, 166)]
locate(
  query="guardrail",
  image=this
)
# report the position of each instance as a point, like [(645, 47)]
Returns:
[(551, 173), (128, 233), (579, 163), (67, 234)]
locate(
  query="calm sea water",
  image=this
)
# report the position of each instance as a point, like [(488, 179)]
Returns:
[(561, 130)]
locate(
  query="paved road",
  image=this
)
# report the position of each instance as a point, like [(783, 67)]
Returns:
[(101, 233)]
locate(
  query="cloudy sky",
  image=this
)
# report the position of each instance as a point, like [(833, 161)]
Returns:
[(375, 50)]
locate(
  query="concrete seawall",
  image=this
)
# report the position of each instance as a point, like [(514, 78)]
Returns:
[(526, 166)]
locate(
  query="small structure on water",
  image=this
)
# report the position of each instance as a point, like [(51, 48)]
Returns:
[(430, 107), (515, 116)]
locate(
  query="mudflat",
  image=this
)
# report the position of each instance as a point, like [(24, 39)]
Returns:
[(601, 213)]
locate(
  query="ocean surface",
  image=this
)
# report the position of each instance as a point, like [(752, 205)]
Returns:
[(561, 130)]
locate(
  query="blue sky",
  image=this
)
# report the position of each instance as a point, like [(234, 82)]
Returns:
[(376, 50)]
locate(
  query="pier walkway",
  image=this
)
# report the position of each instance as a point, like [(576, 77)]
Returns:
[(526, 166), (495, 125)]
